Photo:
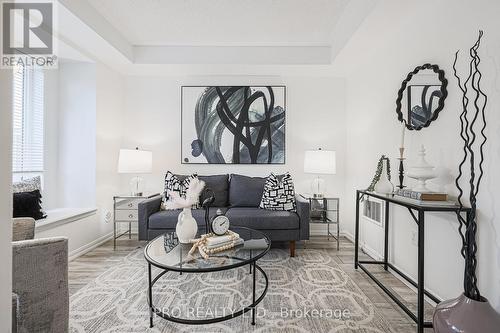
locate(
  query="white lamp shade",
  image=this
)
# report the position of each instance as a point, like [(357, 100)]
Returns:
[(135, 161), (320, 162)]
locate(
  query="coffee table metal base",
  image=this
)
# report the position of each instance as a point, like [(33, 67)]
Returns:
[(154, 310)]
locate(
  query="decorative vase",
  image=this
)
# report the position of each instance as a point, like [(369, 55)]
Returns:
[(421, 171), (384, 185), (187, 227), (465, 315)]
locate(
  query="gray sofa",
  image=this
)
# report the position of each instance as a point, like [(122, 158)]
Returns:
[(239, 198)]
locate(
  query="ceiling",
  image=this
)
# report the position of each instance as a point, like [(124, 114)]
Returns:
[(223, 22), (134, 33)]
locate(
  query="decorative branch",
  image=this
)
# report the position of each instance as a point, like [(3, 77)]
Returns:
[(472, 115)]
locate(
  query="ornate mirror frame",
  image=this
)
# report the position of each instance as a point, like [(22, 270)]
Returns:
[(444, 92)]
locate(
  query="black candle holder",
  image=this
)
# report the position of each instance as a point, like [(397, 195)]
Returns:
[(401, 168)]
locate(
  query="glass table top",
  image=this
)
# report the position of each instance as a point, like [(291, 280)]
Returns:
[(166, 252)]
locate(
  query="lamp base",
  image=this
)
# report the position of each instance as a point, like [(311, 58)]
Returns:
[(136, 186), (318, 188)]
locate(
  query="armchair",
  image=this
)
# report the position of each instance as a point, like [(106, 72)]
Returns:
[(40, 300)]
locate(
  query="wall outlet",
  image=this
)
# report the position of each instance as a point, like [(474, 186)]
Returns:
[(414, 238)]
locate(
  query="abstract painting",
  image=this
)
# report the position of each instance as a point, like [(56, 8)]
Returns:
[(233, 124)]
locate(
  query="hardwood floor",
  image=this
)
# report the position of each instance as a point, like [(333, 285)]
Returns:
[(87, 267)]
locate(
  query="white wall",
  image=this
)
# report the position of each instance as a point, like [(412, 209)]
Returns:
[(51, 140), (109, 132), (96, 130), (5, 199), (77, 134), (315, 118), (394, 38)]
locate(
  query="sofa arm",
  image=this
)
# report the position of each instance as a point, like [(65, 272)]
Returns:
[(304, 215), (40, 280), (146, 209)]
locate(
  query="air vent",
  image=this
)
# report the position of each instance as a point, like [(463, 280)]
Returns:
[(373, 211)]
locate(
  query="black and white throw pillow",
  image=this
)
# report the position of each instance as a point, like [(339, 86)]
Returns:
[(278, 194), (174, 183), (27, 185)]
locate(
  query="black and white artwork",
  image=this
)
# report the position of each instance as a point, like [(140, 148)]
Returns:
[(422, 102), (233, 124)]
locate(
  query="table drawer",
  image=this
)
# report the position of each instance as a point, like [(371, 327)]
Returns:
[(128, 204), (126, 215)]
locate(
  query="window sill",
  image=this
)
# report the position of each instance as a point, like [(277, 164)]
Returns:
[(60, 216)]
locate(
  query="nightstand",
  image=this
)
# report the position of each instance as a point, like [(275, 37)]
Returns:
[(125, 210), (325, 211)]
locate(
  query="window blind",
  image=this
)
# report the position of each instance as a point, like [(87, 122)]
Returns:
[(28, 134)]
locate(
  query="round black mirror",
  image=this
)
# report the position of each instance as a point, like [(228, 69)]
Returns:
[(421, 96)]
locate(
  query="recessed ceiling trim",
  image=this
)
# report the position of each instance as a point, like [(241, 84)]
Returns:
[(250, 55), (91, 17)]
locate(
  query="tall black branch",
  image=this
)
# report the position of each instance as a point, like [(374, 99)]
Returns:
[(472, 116)]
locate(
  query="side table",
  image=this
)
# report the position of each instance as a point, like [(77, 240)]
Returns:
[(125, 210), (319, 209)]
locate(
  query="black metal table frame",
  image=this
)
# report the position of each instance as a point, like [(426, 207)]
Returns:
[(252, 263), (420, 221)]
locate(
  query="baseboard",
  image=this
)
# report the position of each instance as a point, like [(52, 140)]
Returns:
[(89, 247), (376, 256), (365, 248)]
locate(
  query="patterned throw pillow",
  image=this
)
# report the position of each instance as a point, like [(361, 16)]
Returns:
[(279, 194), (174, 184), (27, 185)]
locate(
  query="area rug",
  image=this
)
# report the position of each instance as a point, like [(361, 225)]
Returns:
[(307, 293)]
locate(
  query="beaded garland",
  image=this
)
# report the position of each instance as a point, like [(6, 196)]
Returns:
[(201, 244)]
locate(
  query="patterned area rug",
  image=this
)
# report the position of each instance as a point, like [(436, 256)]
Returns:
[(308, 293)]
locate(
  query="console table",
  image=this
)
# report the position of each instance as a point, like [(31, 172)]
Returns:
[(417, 211)]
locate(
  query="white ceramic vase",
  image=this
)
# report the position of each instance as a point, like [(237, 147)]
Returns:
[(384, 185), (187, 227)]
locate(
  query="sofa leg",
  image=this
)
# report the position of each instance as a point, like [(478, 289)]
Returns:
[(292, 248)]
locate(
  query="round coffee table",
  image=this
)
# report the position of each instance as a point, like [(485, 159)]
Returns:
[(166, 253)]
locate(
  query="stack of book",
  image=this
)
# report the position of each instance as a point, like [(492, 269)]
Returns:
[(215, 242), (422, 196)]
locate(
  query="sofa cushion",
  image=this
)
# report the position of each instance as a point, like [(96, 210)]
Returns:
[(245, 191), (167, 219), (219, 184), (262, 219)]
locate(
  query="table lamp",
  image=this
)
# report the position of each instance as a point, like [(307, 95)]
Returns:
[(135, 161), (319, 162)]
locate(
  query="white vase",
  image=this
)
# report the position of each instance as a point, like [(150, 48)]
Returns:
[(384, 185), (187, 227)]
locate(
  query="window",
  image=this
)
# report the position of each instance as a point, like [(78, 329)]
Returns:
[(27, 149)]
